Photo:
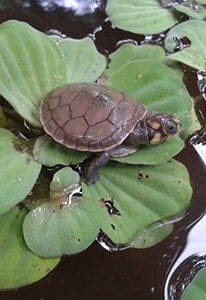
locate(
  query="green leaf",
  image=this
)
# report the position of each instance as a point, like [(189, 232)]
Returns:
[(141, 199), (197, 289), (49, 153), (31, 66), (139, 16), (63, 179), (154, 85), (152, 235), (65, 225), (154, 155), (195, 54), (19, 171), (18, 265), (140, 196), (199, 13), (195, 126), (176, 67), (129, 53), (160, 89), (82, 60)]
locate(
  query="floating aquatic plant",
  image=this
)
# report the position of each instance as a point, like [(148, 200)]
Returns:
[(135, 194)]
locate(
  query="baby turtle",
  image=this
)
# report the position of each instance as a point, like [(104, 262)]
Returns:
[(102, 120)]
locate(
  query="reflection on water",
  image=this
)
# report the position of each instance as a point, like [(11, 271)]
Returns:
[(79, 7), (189, 262), (192, 4), (201, 83), (192, 257), (201, 150), (183, 276), (108, 244), (155, 39)]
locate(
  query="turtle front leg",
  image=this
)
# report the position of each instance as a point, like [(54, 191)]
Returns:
[(91, 165)]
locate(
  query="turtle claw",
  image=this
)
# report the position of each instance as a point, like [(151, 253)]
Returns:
[(90, 179), (90, 166), (89, 172), (90, 175)]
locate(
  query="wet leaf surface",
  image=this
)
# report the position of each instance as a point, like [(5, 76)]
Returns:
[(49, 153), (140, 196), (19, 172), (154, 155), (151, 235), (193, 34), (62, 180), (126, 206), (31, 66), (158, 88), (154, 85), (129, 53), (64, 225), (197, 288), (82, 60), (176, 67), (19, 266), (195, 126), (199, 13), (139, 16)]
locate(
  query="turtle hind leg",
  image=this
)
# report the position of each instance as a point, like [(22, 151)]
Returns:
[(90, 166)]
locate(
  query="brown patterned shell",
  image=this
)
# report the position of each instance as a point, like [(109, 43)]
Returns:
[(89, 117)]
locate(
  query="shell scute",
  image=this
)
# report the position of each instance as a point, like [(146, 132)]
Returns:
[(124, 111), (64, 99), (60, 135), (89, 117), (51, 127), (60, 114), (53, 103), (80, 105), (99, 110), (46, 113), (76, 127), (58, 92), (100, 131), (117, 135)]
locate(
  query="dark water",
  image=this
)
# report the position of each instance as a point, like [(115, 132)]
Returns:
[(143, 274)]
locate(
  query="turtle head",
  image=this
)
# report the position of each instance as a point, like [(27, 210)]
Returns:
[(161, 126)]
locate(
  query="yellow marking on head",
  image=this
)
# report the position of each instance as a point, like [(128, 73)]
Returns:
[(168, 137), (156, 139), (155, 125), (164, 130), (177, 121)]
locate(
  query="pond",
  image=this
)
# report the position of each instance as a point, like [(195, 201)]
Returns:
[(158, 272)]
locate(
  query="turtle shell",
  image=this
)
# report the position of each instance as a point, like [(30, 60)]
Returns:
[(89, 117)]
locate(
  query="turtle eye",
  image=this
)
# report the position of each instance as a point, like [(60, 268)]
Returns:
[(171, 127)]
